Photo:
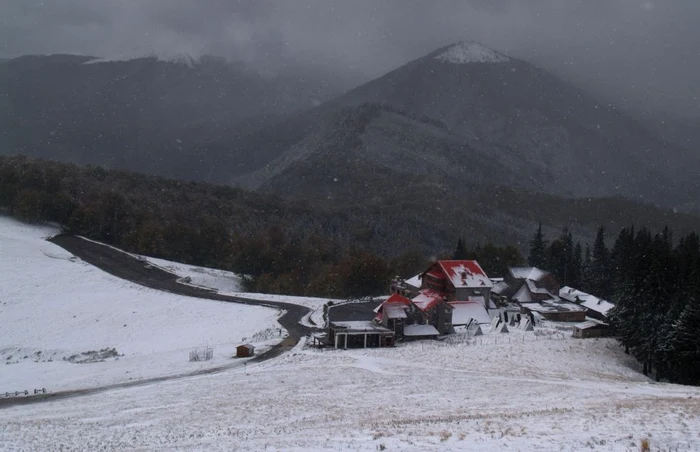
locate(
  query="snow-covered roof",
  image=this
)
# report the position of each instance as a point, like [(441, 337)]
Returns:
[(471, 52), (426, 299), (463, 312), (588, 301), (414, 282), (553, 306), (531, 273), (360, 326), (397, 299), (465, 274), (589, 324), (394, 311), (420, 330), (522, 295), (541, 290), (500, 288)]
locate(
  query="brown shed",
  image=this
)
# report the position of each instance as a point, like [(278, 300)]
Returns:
[(245, 351)]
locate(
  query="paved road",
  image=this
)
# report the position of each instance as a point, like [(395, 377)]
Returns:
[(125, 266)]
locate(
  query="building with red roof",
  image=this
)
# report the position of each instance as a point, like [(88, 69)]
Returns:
[(458, 280)]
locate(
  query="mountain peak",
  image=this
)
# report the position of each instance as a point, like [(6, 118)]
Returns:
[(470, 52)]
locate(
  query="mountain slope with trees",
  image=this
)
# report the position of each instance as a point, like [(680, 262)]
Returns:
[(175, 118)]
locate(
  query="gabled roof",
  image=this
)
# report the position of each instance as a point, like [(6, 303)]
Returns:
[(414, 282), (500, 288), (590, 324), (426, 299), (395, 311), (393, 307), (465, 311), (420, 330), (464, 274), (523, 295), (531, 273), (588, 301), (396, 298), (540, 290)]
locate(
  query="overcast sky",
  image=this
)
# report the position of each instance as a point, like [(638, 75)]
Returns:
[(646, 50)]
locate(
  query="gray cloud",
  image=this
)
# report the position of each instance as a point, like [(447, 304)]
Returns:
[(644, 51)]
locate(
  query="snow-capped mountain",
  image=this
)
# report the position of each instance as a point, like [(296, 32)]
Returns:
[(461, 117)]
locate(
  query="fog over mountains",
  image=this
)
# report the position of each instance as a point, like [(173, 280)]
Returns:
[(163, 117), (461, 116)]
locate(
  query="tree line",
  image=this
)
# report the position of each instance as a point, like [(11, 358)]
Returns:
[(280, 246), (654, 282)]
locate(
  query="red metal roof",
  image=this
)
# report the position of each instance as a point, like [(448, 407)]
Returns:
[(465, 273), (427, 299), (396, 298), (435, 273)]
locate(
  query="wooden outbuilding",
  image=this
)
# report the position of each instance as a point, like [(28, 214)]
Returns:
[(245, 351), (590, 328)]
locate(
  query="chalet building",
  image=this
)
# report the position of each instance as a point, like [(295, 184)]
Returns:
[(596, 308), (448, 294), (400, 315), (458, 280)]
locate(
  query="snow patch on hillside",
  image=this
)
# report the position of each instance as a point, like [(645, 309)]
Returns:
[(177, 58), (220, 280), (471, 52), (68, 325)]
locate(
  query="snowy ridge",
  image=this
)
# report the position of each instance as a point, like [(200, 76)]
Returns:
[(180, 58), (471, 52)]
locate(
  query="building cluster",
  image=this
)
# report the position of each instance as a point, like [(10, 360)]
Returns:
[(457, 295)]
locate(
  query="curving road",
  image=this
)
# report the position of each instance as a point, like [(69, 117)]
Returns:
[(125, 266)]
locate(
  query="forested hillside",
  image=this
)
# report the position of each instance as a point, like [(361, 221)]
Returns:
[(654, 279), (295, 247)]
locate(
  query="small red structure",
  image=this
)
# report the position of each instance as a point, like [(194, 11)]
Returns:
[(245, 351)]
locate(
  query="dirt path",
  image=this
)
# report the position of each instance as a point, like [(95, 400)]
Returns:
[(127, 267)]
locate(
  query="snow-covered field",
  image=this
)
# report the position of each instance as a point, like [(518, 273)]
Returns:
[(547, 394), (58, 313), (523, 391)]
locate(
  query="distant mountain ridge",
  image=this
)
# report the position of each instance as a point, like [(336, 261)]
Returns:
[(168, 117)]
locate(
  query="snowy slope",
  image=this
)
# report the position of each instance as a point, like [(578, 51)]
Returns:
[(229, 283), (545, 395), (57, 310), (471, 52), (220, 280)]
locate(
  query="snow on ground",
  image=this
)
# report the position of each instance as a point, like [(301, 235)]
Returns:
[(229, 283), (60, 314), (221, 280), (471, 52), (537, 394)]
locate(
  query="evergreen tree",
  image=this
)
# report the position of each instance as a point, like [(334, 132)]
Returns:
[(586, 271), (684, 345), (538, 250), (577, 266), (600, 274), (460, 251)]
